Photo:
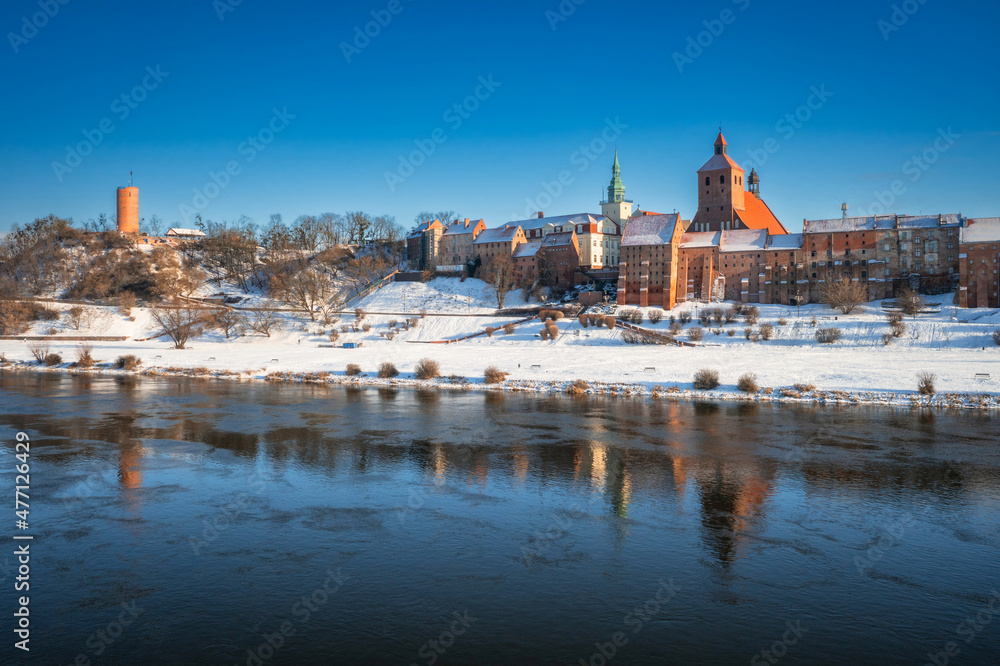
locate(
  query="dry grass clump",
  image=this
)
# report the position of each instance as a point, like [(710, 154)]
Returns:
[(609, 322), (696, 333), (366, 327), (494, 375), (128, 362), (782, 322), (766, 331), (925, 383), (85, 357), (584, 320), (896, 325), (706, 380), (490, 331), (805, 388), (353, 370), (751, 313), (731, 333), (552, 330), (52, 359), (427, 369), (509, 328), (387, 371), (789, 393), (826, 336), (543, 334), (360, 314), (578, 387), (334, 335), (748, 383)]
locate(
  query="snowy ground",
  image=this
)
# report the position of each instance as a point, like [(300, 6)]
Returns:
[(954, 344)]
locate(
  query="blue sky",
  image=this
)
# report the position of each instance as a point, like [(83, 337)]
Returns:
[(328, 123)]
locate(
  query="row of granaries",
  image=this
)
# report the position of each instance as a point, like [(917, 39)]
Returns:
[(658, 263)]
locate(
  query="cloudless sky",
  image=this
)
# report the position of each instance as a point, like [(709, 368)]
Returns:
[(893, 93)]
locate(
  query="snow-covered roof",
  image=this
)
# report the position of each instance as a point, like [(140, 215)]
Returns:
[(743, 240), (846, 224), (558, 239), (982, 230), (720, 162), (928, 221), (497, 235), (701, 239), (527, 249), (651, 230), (461, 227), (785, 242), (186, 232), (559, 220)]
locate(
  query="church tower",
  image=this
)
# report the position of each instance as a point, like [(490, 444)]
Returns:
[(720, 191), (617, 207)]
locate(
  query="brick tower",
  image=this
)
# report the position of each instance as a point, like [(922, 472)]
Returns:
[(720, 191), (128, 209)]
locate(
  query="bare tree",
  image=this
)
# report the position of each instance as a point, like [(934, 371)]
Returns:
[(75, 316), (228, 321), (179, 321), (846, 295), (910, 301), (305, 287), (264, 321), (501, 274)]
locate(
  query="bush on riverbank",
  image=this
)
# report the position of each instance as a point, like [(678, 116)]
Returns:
[(826, 336), (353, 370), (706, 380), (427, 369), (52, 359), (748, 383), (387, 371), (494, 375), (128, 362), (579, 387), (925, 383)]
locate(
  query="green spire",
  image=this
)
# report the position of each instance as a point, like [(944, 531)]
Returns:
[(616, 190)]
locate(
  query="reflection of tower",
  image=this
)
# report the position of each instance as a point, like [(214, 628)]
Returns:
[(128, 209), (598, 465), (130, 464)]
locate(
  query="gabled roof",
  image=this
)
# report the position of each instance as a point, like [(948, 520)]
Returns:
[(982, 230), (743, 240), (185, 232), (559, 220), (527, 249), (785, 242), (651, 230), (498, 235), (701, 239), (462, 227), (759, 216)]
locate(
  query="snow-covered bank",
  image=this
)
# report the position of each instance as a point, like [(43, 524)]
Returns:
[(953, 344)]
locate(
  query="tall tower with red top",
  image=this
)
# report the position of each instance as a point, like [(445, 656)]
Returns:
[(720, 191), (128, 208)]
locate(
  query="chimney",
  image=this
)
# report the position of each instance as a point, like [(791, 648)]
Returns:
[(540, 215), (466, 221)]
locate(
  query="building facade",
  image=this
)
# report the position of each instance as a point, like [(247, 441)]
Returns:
[(979, 261)]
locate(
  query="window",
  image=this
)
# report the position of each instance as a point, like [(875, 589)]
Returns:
[(916, 253), (950, 245), (886, 247), (847, 252), (916, 266), (722, 180), (917, 240), (902, 246), (708, 180), (864, 275), (814, 264), (813, 253), (887, 271), (951, 257)]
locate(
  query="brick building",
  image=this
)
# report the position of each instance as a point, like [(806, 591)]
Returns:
[(457, 242), (422, 245), (647, 273), (492, 242), (526, 261), (558, 259), (979, 261)]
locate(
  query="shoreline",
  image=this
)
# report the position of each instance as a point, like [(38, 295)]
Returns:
[(817, 396)]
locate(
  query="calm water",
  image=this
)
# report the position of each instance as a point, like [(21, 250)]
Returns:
[(184, 522)]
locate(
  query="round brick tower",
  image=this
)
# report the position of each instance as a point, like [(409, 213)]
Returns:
[(128, 210)]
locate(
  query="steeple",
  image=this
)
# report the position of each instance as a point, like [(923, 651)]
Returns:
[(616, 190), (753, 180), (721, 147)]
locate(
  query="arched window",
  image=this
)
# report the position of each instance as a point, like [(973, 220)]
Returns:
[(722, 180), (708, 180)]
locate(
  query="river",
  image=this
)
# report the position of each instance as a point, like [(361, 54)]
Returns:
[(201, 522)]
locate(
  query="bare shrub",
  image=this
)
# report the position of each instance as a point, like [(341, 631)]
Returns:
[(3, 360), (387, 371), (731, 333), (846, 295), (74, 316), (609, 323), (84, 356), (427, 369), (826, 336), (706, 380), (751, 314), (925, 383), (543, 334), (346, 328), (39, 349), (366, 327), (360, 314), (494, 375), (718, 316), (423, 313), (705, 317), (676, 328), (655, 316), (766, 331), (128, 362), (578, 387), (509, 328), (584, 320), (696, 333), (996, 337), (353, 370), (748, 383), (393, 323), (887, 339), (897, 329), (737, 307), (748, 332), (636, 317), (782, 322), (230, 322), (552, 330), (334, 335), (14, 318), (731, 314), (126, 301), (489, 331), (52, 359), (685, 317)]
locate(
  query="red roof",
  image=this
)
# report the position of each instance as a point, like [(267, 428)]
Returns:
[(758, 216), (721, 141)]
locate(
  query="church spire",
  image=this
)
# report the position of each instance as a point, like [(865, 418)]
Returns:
[(721, 147), (616, 190)]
